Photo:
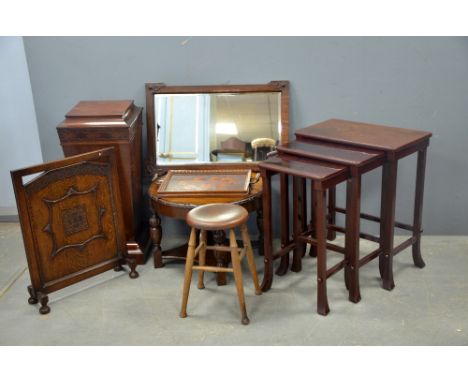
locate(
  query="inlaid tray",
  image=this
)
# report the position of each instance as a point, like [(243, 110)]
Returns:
[(199, 183)]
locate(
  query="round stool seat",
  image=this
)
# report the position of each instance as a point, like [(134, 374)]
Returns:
[(217, 216)]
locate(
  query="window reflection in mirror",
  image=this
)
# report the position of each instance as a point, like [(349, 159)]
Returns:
[(221, 127)]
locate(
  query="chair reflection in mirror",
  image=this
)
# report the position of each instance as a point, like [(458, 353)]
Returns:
[(232, 150), (261, 147)]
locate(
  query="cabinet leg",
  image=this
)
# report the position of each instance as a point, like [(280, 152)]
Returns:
[(156, 236), (132, 263), (43, 300), (32, 296), (118, 267)]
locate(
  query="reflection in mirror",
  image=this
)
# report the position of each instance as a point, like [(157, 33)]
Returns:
[(216, 127)]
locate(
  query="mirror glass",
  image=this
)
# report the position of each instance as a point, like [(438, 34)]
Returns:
[(222, 127), (214, 125)]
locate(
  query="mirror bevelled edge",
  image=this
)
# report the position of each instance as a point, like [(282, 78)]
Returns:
[(151, 89)]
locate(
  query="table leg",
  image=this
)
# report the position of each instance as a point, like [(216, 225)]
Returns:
[(303, 210), (156, 236), (418, 207), (284, 208), (260, 229), (313, 248), (299, 249), (331, 235), (353, 209), (387, 215), (320, 226), (267, 232)]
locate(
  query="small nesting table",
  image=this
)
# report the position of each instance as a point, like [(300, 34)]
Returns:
[(395, 144), (358, 162), (323, 176)]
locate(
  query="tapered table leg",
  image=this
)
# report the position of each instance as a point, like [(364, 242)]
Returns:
[(267, 232), (299, 249), (156, 236), (320, 226), (284, 208), (353, 203), (313, 248), (331, 235), (387, 214), (418, 207)]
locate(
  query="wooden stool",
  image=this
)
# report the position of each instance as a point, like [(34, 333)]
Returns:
[(214, 217)]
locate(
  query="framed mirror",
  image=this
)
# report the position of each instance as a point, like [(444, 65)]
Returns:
[(214, 126)]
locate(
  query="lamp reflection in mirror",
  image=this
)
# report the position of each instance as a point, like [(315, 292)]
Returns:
[(228, 128)]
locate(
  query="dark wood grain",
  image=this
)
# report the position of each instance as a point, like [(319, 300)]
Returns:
[(377, 137), (72, 221), (328, 152), (92, 125), (178, 207), (304, 167)]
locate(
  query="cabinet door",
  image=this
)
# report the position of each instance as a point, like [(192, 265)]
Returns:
[(71, 218)]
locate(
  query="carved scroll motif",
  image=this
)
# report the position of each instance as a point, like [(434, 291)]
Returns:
[(73, 220)]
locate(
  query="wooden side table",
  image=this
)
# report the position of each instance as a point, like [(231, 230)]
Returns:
[(179, 207), (358, 162), (323, 176), (395, 143)]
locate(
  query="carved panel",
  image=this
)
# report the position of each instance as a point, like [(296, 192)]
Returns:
[(74, 219), (69, 216), (71, 220)]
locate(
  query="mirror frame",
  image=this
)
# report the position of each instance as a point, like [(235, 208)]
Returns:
[(160, 88)]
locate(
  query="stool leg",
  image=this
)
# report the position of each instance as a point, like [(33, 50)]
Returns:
[(188, 272), (201, 259), (250, 258), (236, 267), (320, 226)]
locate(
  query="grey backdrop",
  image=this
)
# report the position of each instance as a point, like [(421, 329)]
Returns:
[(419, 83)]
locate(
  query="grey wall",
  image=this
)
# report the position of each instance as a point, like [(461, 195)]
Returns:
[(419, 83), (19, 141)]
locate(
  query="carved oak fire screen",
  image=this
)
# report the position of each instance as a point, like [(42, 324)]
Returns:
[(72, 222)]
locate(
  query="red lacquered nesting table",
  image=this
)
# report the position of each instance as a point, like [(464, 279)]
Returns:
[(395, 143)]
